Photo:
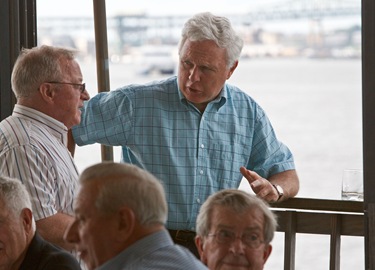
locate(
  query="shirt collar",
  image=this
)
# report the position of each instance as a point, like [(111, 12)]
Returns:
[(55, 127), (136, 251), (221, 99)]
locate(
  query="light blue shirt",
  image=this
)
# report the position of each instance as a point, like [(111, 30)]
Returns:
[(194, 154), (156, 251)]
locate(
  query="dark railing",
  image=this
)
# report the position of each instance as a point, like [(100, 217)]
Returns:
[(315, 216)]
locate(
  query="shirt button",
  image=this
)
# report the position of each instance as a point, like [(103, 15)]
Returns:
[(192, 228), (201, 171), (202, 145), (198, 200)]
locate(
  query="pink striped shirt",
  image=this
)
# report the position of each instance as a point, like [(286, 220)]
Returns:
[(33, 149)]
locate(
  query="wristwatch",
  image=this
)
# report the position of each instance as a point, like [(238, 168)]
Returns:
[(279, 190)]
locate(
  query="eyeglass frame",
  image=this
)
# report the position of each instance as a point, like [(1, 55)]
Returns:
[(81, 85), (232, 237)]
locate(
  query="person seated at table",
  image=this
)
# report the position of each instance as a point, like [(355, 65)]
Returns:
[(120, 212), (234, 231), (20, 246)]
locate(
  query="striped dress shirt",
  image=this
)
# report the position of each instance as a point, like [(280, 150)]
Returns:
[(33, 149), (194, 154)]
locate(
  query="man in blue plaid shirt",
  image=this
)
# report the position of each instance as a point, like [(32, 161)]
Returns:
[(195, 132)]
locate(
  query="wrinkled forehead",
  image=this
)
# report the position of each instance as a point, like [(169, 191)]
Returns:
[(85, 198), (6, 214), (231, 218), (70, 67)]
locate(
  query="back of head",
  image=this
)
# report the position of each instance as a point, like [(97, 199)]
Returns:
[(206, 26), (124, 184), (239, 201), (14, 195), (38, 65)]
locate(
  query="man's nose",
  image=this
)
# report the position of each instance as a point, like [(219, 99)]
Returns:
[(71, 233), (237, 246), (85, 95), (194, 74)]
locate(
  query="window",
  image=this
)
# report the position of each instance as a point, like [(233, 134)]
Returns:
[(305, 73)]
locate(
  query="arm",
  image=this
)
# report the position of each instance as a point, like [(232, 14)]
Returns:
[(264, 188), (53, 228), (71, 143)]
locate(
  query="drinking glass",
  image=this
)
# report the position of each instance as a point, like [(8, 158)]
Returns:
[(352, 185)]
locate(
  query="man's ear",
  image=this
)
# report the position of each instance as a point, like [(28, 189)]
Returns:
[(47, 92), (232, 69), (267, 252), (126, 222), (200, 247), (27, 220)]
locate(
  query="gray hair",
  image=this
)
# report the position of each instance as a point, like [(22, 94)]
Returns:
[(127, 185), (15, 196), (206, 26), (38, 65), (239, 201)]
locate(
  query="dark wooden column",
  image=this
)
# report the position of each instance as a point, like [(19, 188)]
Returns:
[(102, 62), (368, 94), (18, 29)]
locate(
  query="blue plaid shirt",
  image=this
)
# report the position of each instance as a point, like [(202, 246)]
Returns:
[(194, 154)]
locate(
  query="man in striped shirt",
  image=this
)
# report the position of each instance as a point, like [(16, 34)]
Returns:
[(47, 82)]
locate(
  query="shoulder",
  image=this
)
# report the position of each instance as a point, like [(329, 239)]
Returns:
[(178, 257), (15, 132), (240, 103), (237, 95), (60, 261), (152, 88), (43, 255), (14, 126), (188, 260), (56, 258), (132, 92)]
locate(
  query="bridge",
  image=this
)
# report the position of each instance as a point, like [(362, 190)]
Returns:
[(305, 9), (137, 29)]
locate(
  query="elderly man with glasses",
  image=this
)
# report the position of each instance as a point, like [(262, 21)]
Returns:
[(234, 231), (47, 82)]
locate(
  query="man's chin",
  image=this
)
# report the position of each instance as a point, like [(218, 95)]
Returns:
[(235, 264)]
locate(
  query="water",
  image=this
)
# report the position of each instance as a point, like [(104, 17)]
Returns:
[(352, 196), (315, 108)]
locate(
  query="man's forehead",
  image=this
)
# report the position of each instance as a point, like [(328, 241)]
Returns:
[(82, 198), (226, 215)]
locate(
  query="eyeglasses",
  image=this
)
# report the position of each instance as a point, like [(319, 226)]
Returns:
[(250, 239), (81, 86)]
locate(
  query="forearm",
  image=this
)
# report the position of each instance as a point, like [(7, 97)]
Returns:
[(53, 228), (288, 180)]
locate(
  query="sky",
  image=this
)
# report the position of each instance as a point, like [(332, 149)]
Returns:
[(151, 7), (84, 8)]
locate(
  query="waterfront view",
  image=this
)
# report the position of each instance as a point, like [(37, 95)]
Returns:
[(277, 29)]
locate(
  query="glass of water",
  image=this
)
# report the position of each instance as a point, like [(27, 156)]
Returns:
[(352, 185)]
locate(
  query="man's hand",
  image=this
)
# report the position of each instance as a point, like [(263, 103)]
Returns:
[(264, 188), (261, 186)]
